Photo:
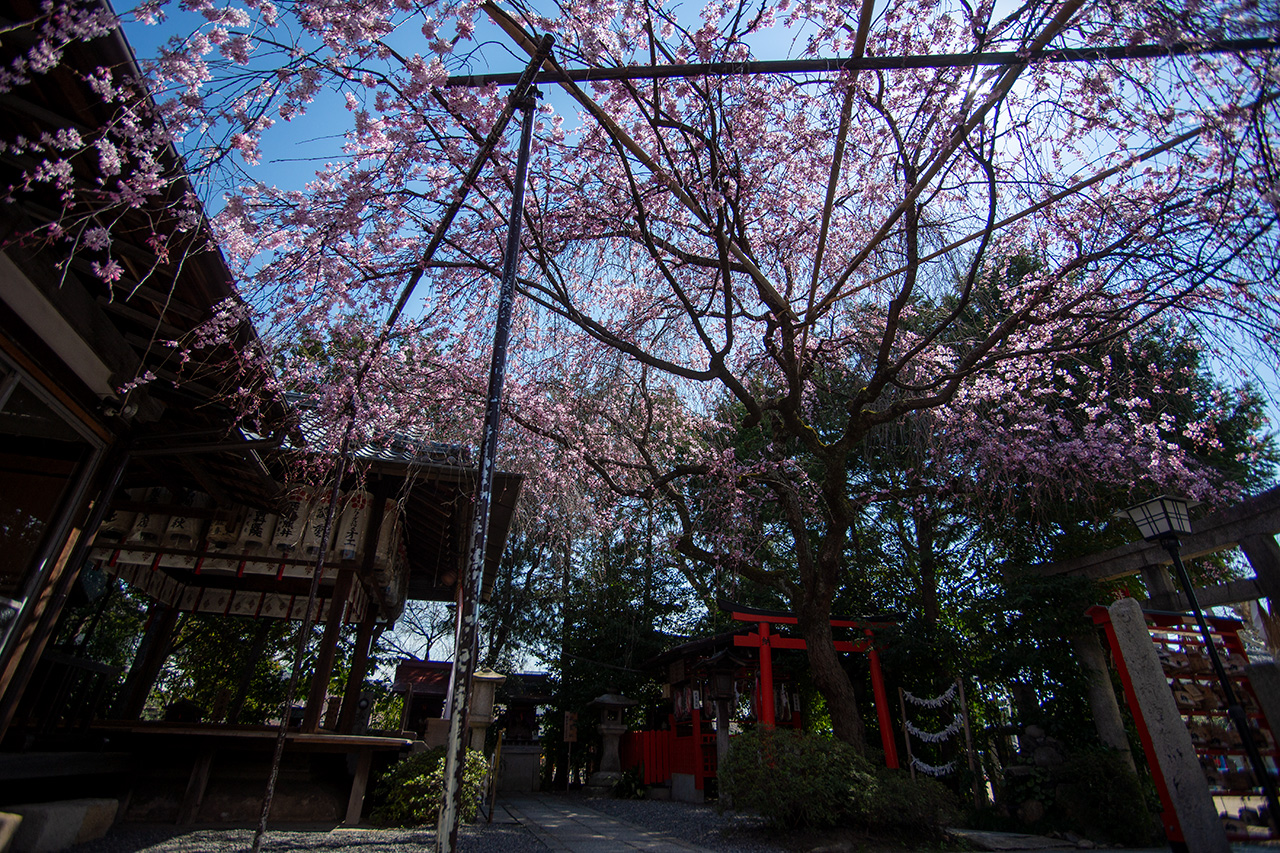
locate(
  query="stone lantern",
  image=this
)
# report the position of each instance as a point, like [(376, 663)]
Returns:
[(484, 684), (611, 727)]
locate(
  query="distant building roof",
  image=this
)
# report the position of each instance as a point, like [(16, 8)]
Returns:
[(423, 677)]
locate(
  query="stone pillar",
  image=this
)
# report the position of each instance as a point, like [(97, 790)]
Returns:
[(1264, 678), (1161, 593), (1102, 696), (1264, 556), (1173, 755)]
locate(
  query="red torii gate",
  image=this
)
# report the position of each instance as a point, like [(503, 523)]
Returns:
[(765, 640)]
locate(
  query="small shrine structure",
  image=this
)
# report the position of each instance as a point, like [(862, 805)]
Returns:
[(520, 768), (717, 684)]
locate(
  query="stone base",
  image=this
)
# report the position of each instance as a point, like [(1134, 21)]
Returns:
[(50, 827), (683, 789), (521, 770), (437, 733), (602, 782)]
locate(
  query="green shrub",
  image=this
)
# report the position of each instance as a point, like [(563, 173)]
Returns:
[(794, 779), (1100, 797), (921, 807), (631, 785), (409, 794)]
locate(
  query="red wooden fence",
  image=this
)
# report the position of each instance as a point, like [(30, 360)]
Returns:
[(649, 750)]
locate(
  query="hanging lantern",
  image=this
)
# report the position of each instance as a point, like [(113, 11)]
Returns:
[(313, 530), (353, 525), (224, 530), (290, 523), (148, 527), (257, 531), (183, 532), (388, 535)]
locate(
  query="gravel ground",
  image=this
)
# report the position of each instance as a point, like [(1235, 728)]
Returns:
[(480, 838), (730, 832), (701, 825)]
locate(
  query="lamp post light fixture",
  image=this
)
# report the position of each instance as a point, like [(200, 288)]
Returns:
[(1161, 520)]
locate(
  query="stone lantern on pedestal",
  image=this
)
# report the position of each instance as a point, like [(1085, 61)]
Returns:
[(722, 669), (484, 684), (611, 728)]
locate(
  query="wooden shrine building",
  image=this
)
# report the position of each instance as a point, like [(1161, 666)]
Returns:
[(171, 487)]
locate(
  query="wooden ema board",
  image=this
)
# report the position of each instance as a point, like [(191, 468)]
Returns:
[(1199, 698)]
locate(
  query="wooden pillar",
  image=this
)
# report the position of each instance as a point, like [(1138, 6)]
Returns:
[(407, 711), (150, 657), (328, 650), (882, 705), (30, 643), (359, 667), (379, 491), (766, 678)]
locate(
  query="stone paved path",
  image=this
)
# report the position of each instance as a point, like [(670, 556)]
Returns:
[(564, 825)]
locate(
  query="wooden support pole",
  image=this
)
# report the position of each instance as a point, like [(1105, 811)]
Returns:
[(359, 783), (979, 790), (380, 490), (328, 650), (355, 676), (906, 734), (197, 783), (258, 646)]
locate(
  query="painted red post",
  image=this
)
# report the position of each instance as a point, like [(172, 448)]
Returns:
[(882, 705), (766, 677)]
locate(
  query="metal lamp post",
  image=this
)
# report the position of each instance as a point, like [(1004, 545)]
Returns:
[(1162, 520)]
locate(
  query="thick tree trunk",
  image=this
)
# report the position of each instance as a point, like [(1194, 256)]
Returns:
[(928, 568), (828, 674)]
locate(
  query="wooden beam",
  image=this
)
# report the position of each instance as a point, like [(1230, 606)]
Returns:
[(1258, 516), (144, 319), (156, 643)]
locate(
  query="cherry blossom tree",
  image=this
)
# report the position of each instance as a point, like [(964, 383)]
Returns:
[(702, 233)]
